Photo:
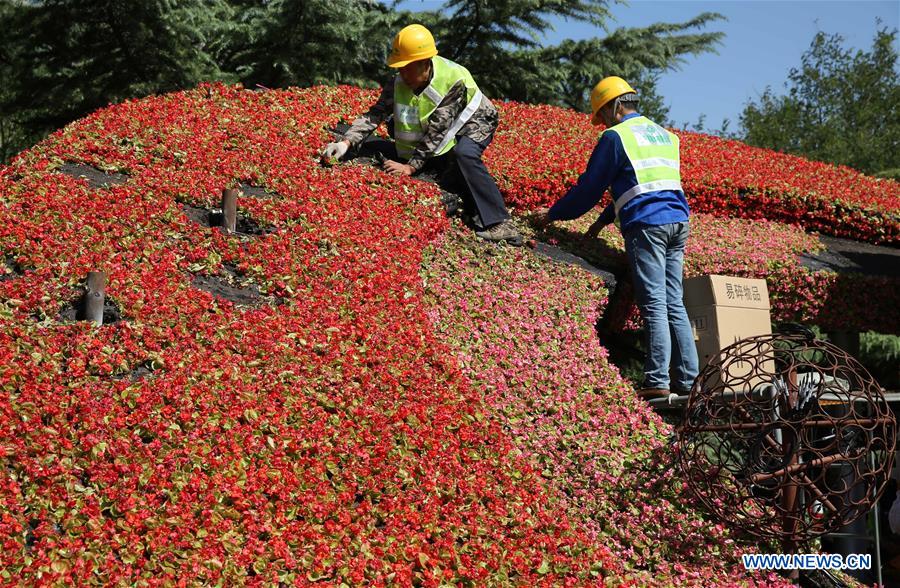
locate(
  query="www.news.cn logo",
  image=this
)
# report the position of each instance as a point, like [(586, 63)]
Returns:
[(806, 561)]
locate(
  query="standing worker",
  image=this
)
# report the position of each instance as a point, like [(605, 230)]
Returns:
[(639, 161), (440, 117)]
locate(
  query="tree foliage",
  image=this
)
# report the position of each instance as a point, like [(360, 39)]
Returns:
[(75, 56), (66, 58), (308, 42), (499, 42), (841, 106), (12, 132)]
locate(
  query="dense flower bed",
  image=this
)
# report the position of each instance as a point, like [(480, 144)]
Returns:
[(363, 423), (523, 330), (326, 438), (540, 150)]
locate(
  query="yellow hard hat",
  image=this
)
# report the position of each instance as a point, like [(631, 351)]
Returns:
[(607, 89), (412, 43)]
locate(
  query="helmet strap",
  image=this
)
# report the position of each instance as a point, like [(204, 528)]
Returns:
[(615, 111)]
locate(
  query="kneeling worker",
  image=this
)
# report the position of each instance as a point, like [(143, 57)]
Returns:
[(439, 115)]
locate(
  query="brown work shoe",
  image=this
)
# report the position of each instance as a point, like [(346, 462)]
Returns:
[(652, 393), (502, 231)]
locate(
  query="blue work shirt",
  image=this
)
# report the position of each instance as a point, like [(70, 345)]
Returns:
[(609, 167)]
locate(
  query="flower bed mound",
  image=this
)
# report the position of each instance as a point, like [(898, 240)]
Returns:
[(395, 414), (539, 151), (522, 328), (326, 438)]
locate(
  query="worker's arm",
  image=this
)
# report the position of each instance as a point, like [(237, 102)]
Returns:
[(607, 216), (605, 162), (439, 123), (363, 126)]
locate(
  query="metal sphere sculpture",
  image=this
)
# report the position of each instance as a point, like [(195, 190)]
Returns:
[(786, 437)]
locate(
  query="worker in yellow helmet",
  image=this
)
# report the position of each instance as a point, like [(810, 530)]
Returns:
[(440, 119), (639, 162)]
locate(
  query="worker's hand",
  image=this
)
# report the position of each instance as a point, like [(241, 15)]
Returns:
[(395, 168), (595, 229), (336, 150)]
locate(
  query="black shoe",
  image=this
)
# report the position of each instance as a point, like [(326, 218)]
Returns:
[(453, 204)]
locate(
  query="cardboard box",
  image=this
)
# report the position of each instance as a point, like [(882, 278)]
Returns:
[(724, 310)]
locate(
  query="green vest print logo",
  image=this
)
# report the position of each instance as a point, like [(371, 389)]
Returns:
[(653, 153), (651, 134), (411, 111)]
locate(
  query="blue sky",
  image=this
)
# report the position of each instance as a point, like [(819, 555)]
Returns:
[(763, 40)]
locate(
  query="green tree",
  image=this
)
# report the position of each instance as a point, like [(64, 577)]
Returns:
[(841, 106), (66, 58), (639, 55), (12, 132), (307, 42), (72, 57), (500, 43)]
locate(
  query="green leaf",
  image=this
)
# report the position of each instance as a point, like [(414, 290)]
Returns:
[(60, 566), (98, 449)]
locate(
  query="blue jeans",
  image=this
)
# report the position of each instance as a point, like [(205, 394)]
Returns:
[(656, 255)]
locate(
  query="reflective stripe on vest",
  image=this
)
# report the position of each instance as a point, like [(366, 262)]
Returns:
[(411, 112), (653, 153), (462, 119), (655, 162)]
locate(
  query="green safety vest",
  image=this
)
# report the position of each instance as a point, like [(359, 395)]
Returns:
[(411, 111), (653, 153)]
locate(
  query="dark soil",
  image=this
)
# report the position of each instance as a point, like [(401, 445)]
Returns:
[(14, 270), (201, 216), (220, 288), (845, 256), (139, 372), (95, 177), (232, 286), (213, 219), (257, 191), (74, 311)]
